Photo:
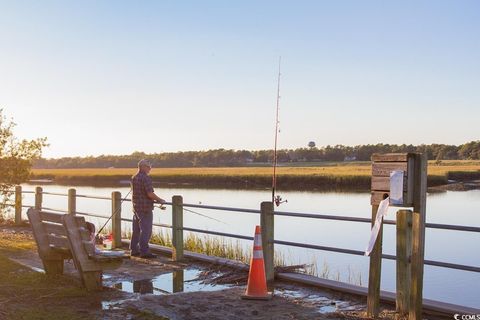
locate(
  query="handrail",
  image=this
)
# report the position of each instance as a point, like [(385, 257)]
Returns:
[(93, 197), (55, 194), (154, 224), (52, 209), (231, 235), (288, 214), (368, 220), (384, 256), (92, 215), (220, 208)]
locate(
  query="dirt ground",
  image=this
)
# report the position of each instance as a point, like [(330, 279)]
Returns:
[(290, 301)]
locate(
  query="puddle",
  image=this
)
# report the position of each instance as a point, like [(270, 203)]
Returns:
[(301, 295), (168, 283), (114, 304), (328, 309), (37, 269)]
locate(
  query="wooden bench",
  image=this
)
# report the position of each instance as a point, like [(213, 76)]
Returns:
[(89, 264), (51, 239), (65, 236)]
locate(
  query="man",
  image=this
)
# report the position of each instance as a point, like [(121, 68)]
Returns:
[(143, 198)]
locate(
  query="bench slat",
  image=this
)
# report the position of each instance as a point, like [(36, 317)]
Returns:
[(80, 254), (50, 217), (40, 236), (58, 242), (57, 229)]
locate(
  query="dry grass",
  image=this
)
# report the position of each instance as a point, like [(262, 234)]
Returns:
[(340, 169)]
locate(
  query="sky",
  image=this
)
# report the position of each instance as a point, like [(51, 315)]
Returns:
[(114, 77)]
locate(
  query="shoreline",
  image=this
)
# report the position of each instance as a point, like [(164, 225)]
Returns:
[(340, 178), (314, 184)]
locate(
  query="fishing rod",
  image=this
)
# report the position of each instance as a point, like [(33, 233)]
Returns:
[(114, 213), (198, 213), (118, 209), (276, 199)]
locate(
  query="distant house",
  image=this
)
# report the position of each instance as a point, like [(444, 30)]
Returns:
[(350, 158)]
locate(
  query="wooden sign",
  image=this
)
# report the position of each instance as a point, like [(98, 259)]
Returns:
[(382, 167)]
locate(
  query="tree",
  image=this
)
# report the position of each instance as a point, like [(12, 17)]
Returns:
[(16, 158)]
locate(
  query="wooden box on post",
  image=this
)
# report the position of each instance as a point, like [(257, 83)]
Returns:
[(382, 166)]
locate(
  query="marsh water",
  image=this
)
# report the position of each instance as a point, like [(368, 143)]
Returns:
[(458, 208)]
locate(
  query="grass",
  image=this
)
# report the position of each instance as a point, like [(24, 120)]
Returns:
[(347, 175), (29, 295), (233, 250), (361, 168), (25, 294)]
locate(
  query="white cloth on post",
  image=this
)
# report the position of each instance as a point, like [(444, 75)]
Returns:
[(381, 212)]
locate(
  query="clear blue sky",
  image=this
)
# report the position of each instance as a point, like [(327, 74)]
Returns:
[(113, 77)]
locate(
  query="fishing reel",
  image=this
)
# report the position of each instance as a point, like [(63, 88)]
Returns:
[(278, 200)]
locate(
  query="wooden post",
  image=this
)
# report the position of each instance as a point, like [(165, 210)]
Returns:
[(116, 219), (72, 201), (404, 251), (38, 198), (177, 228), (18, 205), (373, 299), (267, 225), (418, 237)]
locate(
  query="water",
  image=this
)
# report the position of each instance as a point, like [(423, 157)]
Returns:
[(460, 208), (167, 283)]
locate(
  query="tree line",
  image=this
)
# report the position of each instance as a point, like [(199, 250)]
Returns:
[(226, 157)]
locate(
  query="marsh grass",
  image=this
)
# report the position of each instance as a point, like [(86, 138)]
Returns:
[(233, 250), (324, 176)]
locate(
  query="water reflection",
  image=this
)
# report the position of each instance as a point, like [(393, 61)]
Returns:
[(143, 286), (173, 282)]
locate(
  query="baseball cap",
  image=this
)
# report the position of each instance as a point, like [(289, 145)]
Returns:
[(144, 162)]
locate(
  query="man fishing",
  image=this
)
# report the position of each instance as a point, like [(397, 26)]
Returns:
[(143, 198)]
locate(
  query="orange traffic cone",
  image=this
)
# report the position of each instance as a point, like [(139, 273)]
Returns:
[(257, 283)]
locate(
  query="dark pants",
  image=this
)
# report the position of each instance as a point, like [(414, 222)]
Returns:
[(141, 232)]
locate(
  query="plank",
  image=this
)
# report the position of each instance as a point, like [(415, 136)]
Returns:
[(383, 169), (377, 197), (39, 233), (79, 253), (51, 217), (56, 241), (383, 184), (391, 157), (54, 228)]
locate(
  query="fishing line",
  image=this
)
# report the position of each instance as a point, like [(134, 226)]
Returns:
[(114, 213), (200, 214)]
